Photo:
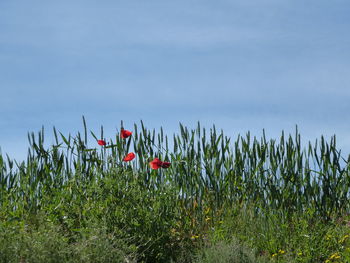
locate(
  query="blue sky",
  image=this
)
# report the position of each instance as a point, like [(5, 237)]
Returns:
[(242, 65)]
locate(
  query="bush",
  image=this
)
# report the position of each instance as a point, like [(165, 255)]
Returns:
[(233, 252), (47, 243)]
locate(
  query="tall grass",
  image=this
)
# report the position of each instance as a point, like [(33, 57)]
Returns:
[(209, 173), (206, 167)]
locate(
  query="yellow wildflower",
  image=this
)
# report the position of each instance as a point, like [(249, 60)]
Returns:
[(194, 237), (281, 251), (343, 239), (335, 256)]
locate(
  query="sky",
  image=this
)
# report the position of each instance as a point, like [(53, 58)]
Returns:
[(241, 65)]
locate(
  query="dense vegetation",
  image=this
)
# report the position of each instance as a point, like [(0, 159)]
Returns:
[(219, 200)]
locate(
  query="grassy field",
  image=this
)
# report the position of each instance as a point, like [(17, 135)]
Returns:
[(196, 196)]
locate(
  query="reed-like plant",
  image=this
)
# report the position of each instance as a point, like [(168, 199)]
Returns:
[(209, 172), (205, 167)]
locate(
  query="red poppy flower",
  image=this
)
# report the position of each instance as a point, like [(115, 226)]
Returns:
[(156, 164), (125, 133), (129, 157), (101, 142)]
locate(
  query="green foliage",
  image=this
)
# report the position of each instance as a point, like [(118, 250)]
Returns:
[(298, 238), (48, 243), (233, 252), (214, 189)]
